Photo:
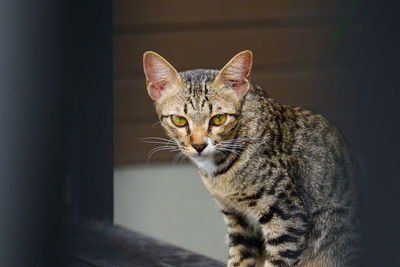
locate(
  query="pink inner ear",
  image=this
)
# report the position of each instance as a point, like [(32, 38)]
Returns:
[(152, 71), (156, 82), (246, 66), (156, 88), (239, 87)]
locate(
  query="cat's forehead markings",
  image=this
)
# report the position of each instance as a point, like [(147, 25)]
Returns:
[(203, 86), (202, 103), (191, 103)]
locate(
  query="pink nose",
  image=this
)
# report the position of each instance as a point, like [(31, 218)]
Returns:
[(199, 147)]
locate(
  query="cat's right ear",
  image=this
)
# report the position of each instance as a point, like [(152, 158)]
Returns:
[(235, 74), (159, 74)]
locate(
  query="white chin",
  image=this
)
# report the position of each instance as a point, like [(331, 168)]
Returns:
[(204, 162)]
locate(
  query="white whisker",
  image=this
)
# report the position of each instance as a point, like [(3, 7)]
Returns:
[(157, 140), (160, 148), (230, 150), (175, 159), (166, 144), (232, 145), (178, 157), (237, 140)]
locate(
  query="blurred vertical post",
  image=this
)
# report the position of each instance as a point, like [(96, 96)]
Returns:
[(375, 56), (31, 153), (55, 119)]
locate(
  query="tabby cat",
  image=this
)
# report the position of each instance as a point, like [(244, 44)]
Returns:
[(281, 175)]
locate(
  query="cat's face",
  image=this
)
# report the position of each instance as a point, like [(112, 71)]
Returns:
[(198, 109)]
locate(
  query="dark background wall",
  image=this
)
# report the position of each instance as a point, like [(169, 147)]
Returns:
[(298, 55)]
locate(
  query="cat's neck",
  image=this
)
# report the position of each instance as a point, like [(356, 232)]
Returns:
[(257, 111)]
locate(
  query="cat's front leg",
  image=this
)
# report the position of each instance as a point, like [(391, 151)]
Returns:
[(285, 230), (244, 245), (283, 221)]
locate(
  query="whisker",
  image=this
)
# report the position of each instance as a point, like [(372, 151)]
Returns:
[(230, 150), (158, 142), (233, 145), (166, 144), (239, 146), (183, 158), (178, 157), (234, 148), (156, 138), (236, 140), (160, 148)]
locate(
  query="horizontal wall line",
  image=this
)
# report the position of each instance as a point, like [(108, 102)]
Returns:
[(226, 25)]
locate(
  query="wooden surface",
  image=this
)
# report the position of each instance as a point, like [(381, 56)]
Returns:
[(107, 245), (297, 59)]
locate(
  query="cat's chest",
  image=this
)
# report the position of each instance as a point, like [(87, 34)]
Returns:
[(230, 186), (228, 196), (227, 188)]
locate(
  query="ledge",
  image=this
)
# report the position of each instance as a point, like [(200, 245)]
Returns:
[(110, 245)]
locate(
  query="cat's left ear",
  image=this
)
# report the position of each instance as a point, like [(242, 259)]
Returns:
[(160, 75), (236, 73)]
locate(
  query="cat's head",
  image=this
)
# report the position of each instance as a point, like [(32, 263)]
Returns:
[(199, 109)]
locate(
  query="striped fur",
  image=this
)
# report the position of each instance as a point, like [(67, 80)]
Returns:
[(286, 185)]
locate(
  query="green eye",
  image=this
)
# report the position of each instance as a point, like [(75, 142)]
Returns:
[(179, 121), (218, 120)]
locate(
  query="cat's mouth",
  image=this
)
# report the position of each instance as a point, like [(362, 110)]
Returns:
[(203, 154)]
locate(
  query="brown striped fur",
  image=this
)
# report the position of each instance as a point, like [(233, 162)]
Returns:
[(282, 176)]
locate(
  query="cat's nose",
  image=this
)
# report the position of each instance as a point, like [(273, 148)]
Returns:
[(199, 147)]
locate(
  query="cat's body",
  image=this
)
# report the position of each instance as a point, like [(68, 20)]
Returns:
[(282, 175)]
